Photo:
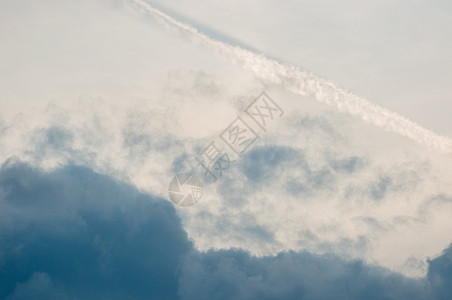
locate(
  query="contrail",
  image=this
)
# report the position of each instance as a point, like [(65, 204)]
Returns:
[(301, 82)]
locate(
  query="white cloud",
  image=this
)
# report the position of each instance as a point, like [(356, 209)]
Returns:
[(392, 52), (94, 84)]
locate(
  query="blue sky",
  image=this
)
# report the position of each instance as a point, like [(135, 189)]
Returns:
[(101, 104)]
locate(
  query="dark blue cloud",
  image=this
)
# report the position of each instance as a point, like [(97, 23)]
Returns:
[(440, 275), (262, 164), (234, 274), (347, 165), (86, 235), (269, 164), (75, 234)]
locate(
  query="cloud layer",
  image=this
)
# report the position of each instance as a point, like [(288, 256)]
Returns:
[(303, 83), (93, 84), (72, 233)]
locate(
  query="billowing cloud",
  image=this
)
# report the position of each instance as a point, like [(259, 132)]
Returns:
[(235, 274), (440, 275), (72, 233), (99, 86), (84, 235)]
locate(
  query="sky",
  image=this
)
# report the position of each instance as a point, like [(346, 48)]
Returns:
[(345, 194)]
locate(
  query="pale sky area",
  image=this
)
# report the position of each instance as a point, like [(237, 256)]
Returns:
[(103, 102)]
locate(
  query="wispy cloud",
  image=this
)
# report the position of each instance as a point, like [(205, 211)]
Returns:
[(304, 83)]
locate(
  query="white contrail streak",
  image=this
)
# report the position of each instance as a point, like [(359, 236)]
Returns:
[(304, 83)]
